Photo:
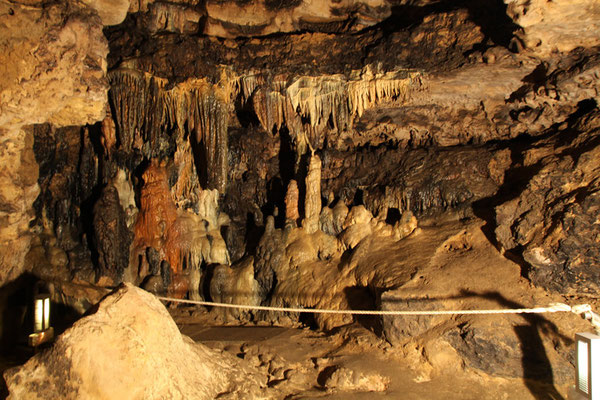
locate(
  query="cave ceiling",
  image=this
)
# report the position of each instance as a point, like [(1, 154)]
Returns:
[(124, 124)]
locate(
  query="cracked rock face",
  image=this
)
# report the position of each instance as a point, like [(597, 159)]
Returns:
[(19, 189), (552, 221)]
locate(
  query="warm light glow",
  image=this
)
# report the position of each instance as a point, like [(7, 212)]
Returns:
[(46, 313), (588, 365), (39, 315)]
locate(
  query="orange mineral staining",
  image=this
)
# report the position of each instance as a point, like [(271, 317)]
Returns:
[(156, 223)]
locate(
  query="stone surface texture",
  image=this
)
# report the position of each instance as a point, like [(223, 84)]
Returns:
[(52, 69), (129, 348)]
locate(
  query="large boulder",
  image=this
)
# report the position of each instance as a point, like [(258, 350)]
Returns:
[(130, 348)]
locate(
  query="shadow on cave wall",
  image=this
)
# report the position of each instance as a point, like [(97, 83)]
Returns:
[(538, 374), (489, 15), (518, 176), (535, 362)]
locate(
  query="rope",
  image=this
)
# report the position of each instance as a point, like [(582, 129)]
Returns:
[(552, 308)]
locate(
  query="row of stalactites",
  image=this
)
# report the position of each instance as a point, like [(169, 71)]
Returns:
[(316, 98)]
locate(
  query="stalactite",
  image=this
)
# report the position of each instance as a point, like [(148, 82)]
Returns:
[(145, 107), (211, 130), (366, 88), (185, 190), (309, 106), (147, 111)]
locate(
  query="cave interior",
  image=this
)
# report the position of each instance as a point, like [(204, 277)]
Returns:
[(383, 155)]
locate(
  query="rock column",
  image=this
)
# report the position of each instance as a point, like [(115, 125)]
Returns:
[(312, 202), (291, 202)]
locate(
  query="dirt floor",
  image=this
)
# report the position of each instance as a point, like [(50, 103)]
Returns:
[(303, 362)]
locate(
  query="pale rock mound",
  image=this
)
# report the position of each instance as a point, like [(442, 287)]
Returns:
[(130, 348)]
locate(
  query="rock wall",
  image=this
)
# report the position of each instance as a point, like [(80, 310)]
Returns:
[(53, 68)]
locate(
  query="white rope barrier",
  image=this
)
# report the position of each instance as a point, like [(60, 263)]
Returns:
[(554, 307), (585, 310)]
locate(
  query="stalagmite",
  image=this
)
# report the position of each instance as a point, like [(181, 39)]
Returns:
[(340, 212), (291, 202), (109, 136), (157, 216), (312, 202)]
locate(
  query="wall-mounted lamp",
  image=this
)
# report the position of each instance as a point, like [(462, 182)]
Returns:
[(42, 331), (587, 382), (42, 312)]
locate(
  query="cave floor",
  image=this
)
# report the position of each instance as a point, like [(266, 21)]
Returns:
[(300, 363), (457, 268)]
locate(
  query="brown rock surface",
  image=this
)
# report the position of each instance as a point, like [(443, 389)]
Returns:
[(556, 26), (52, 69), (234, 19), (551, 219), (53, 66), (18, 190)]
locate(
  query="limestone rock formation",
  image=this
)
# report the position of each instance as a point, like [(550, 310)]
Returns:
[(53, 70), (19, 189), (551, 221), (129, 348), (42, 53), (319, 154), (234, 19), (312, 201), (556, 26), (235, 285), (112, 235)]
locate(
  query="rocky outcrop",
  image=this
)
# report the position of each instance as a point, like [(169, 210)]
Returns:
[(234, 19), (19, 189), (131, 332), (43, 52), (53, 68), (556, 26), (550, 221)]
